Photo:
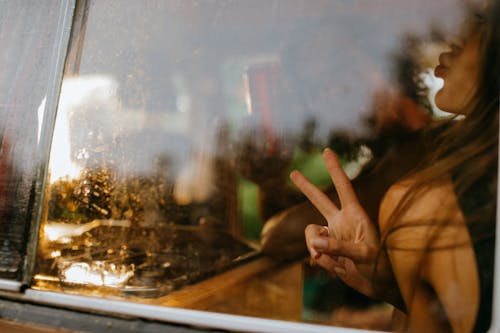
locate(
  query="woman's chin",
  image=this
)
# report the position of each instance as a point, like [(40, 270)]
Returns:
[(452, 101), (446, 104), (441, 101)]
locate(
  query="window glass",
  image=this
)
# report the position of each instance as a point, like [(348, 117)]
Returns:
[(30, 40), (179, 122)]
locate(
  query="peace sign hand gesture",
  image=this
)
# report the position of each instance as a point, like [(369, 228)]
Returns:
[(348, 247)]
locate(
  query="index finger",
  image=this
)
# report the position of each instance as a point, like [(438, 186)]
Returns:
[(319, 199), (340, 180)]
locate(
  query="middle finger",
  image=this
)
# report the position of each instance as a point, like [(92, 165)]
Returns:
[(319, 199)]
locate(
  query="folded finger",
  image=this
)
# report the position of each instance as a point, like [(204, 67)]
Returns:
[(314, 230), (311, 232), (330, 265), (357, 252), (351, 276)]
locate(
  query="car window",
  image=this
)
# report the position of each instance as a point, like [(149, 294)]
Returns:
[(177, 126)]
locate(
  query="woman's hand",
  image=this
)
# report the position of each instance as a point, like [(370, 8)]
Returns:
[(349, 245), (328, 253)]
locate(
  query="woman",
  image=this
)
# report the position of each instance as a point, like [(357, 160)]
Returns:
[(432, 253)]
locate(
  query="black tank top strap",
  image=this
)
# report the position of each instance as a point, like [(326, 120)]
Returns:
[(478, 204)]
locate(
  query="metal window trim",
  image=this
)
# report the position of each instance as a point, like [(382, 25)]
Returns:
[(200, 319), (10, 285), (54, 81)]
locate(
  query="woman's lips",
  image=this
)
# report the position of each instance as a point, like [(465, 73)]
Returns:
[(439, 71)]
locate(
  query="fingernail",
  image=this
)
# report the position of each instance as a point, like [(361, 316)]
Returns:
[(320, 243), (339, 270), (327, 150), (324, 231)]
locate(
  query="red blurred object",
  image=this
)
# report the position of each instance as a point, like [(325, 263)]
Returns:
[(394, 111), (264, 90)]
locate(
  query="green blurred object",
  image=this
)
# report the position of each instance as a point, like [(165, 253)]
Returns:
[(310, 164), (248, 207)]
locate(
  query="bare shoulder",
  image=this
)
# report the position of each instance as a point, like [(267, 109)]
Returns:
[(429, 247), (433, 204)]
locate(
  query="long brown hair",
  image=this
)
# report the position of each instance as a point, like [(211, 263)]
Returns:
[(465, 150)]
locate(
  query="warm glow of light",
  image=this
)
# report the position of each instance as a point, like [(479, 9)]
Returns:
[(75, 94), (97, 274), (63, 232), (60, 232)]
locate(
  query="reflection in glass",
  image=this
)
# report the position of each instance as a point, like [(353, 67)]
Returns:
[(177, 126), (30, 42)]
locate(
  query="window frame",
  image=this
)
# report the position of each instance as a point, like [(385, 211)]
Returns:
[(57, 58), (71, 13)]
